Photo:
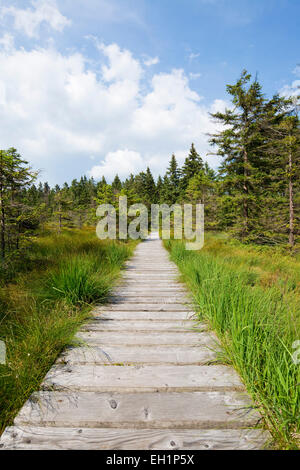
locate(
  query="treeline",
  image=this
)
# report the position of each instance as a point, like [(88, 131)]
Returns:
[(254, 194)]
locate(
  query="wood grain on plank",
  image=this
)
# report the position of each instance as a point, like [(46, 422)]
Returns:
[(147, 307), (143, 325), (184, 410), (110, 354), (144, 378), (136, 315), (34, 438), (151, 338)]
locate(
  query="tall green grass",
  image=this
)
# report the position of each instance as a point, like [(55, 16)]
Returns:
[(257, 324), (78, 282), (43, 302)]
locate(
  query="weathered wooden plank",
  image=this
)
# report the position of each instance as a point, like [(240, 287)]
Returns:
[(155, 294), (143, 296), (185, 410), (147, 307), (150, 282), (163, 273), (40, 438), (143, 315), (142, 290), (135, 355), (133, 276), (143, 339), (161, 299), (143, 378), (144, 326), (157, 267)]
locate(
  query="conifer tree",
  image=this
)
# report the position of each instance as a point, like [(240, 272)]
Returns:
[(245, 165), (116, 184), (173, 175), (159, 190), (150, 187), (193, 164), (15, 177), (283, 149), (166, 191)]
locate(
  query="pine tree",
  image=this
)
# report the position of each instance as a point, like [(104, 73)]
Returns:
[(173, 175), (245, 165), (145, 188), (150, 187), (284, 153), (105, 194), (116, 184), (15, 177), (159, 189), (193, 164), (166, 191)]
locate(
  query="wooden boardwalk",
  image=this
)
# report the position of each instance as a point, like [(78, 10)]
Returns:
[(144, 379)]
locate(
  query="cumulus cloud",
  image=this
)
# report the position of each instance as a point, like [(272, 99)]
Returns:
[(293, 89), (121, 162), (29, 20), (69, 111), (122, 66)]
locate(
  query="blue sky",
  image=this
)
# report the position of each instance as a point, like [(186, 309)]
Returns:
[(103, 86)]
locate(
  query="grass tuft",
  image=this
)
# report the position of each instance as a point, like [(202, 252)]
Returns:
[(78, 281)]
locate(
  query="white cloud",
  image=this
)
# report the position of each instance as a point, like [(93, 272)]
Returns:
[(29, 20), (66, 111), (151, 61), (7, 42), (122, 66), (291, 90), (121, 162)]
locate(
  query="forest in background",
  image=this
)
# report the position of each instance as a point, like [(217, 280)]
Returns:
[(254, 195)]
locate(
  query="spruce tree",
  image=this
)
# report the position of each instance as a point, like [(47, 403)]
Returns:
[(166, 191), (245, 165), (15, 177), (193, 164), (150, 187), (116, 184), (159, 189), (283, 150), (173, 175)]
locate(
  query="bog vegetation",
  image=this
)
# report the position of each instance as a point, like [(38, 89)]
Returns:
[(253, 305), (52, 267), (47, 298)]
